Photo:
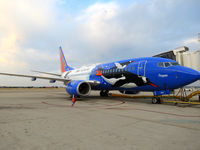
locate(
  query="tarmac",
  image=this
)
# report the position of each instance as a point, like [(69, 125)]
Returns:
[(44, 119)]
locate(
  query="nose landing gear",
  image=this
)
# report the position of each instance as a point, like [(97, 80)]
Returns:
[(104, 93), (156, 100)]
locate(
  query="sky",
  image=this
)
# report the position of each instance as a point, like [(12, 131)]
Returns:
[(91, 31)]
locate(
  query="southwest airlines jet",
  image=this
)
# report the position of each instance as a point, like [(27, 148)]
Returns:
[(153, 74)]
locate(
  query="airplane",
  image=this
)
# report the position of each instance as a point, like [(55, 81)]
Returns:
[(152, 74)]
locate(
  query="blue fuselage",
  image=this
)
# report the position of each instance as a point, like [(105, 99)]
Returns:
[(143, 74)]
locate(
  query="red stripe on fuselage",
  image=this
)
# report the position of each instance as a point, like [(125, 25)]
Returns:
[(98, 73), (153, 85)]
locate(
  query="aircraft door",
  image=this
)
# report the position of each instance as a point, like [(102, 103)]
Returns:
[(141, 68)]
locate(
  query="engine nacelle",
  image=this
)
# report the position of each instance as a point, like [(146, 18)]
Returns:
[(129, 92), (78, 88)]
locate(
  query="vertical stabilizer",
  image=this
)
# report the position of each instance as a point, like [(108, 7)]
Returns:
[(63, 63)]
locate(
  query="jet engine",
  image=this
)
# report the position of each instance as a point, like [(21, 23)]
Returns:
[(78, 88)]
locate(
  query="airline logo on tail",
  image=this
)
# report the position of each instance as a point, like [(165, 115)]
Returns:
[(63, 63)]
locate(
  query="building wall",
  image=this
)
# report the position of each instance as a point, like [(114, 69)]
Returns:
[(190, 59)]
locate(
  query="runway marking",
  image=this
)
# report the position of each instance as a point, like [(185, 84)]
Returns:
[(160, 122), (109, 106), (75, 106), (153, 111)]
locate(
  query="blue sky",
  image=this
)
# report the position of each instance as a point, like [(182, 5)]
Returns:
[(90, 31)]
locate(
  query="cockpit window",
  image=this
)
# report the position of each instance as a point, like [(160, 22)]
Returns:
[(161, 64), (167, 64), (175, 64)]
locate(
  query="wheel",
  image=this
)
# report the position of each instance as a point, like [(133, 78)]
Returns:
[(159, 101), (104, 93), (156, 100), (199, 97)]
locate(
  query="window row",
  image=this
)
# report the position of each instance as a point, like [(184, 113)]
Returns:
[(117, 70), (168, 64)]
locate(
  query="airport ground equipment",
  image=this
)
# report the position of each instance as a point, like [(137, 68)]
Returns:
[(182, 98)]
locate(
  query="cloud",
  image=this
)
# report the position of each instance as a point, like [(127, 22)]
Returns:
[(108, 31), (19, 22), (8, 52), (96, 18), (191, 41)]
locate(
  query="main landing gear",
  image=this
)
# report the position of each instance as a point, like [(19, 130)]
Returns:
[(156, 100), (104, 93)]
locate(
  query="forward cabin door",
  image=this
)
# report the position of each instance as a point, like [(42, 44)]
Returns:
[(141, 71)]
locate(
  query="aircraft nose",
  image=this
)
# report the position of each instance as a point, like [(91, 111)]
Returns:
[(194, 76), (189, 75)]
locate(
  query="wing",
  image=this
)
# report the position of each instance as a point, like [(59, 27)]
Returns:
[(52, 79), (35, 77), (54, 74)]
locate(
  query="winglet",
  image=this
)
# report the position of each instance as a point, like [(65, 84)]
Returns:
[(63, 63)]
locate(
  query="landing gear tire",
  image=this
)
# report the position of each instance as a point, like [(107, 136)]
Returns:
[(104, 93), (156, 100)]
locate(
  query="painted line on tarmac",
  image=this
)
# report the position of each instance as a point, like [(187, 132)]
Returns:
[(121, 108), (75, 106), (159, 112)]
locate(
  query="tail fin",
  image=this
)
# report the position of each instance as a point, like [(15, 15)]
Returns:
[(63, 63)]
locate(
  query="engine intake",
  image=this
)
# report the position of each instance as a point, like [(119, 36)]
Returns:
[(78, 88)]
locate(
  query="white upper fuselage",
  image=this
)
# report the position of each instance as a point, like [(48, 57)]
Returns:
[(82, 73)]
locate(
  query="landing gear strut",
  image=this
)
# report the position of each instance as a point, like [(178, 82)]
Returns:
[(104, 93), (156, 100)]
